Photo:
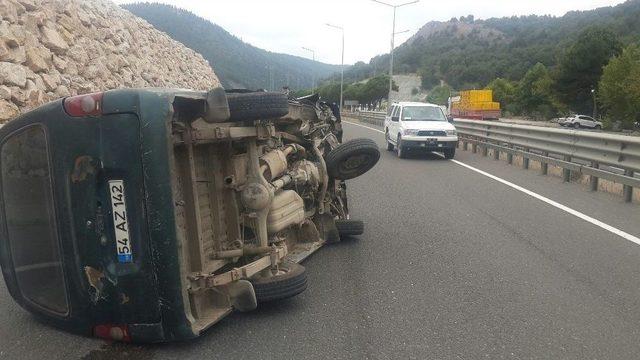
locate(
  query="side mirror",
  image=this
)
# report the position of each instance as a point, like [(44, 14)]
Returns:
[(395, 118), (450, 118)]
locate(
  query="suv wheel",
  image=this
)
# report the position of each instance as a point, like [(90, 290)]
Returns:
[(400, 150), (390, 146), (449, 153), (576, 125)]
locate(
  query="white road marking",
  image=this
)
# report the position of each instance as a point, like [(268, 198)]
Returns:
[(366, 127), (555, 204)]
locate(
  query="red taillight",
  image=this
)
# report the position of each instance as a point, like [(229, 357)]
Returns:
[(112, 332), (84, 105)]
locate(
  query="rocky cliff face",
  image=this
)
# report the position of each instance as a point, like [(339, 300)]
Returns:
[(56, 48)]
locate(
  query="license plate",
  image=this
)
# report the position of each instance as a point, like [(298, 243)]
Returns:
[(120, 221), (432, 141)]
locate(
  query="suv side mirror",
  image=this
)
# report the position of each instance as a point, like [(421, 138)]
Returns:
[(395, 118), (450, 118)]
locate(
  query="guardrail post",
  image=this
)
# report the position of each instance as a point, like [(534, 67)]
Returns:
[(474, 147), (485, 151), (544, 167), (593, 180), (510, 156), (496, 154), (464, 145), (525, 160), (627, 190), (566, 173)]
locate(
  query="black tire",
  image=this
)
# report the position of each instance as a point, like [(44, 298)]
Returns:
[(449, 153), (291, 282), (400, 150), (598, 127), (257, 105), (352, 159), (390, 146), (576, 125), (350, 227)]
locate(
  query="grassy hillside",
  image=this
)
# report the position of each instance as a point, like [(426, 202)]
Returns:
[(236, 63)]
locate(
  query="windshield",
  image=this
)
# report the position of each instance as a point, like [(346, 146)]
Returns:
[(422, 113)]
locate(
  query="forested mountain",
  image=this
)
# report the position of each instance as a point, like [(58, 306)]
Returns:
[(236, 63), (468, 53)]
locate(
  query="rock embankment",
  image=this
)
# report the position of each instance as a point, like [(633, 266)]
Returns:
[(56, 48)]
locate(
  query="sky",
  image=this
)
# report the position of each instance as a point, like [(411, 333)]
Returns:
[(288, 25)]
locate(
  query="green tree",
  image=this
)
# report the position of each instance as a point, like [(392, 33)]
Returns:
[(534, 95), (580, 67), (619, 89), (439, 95), (375, 89), (330, 92), (504, 92), (428, 78), (354, 92)]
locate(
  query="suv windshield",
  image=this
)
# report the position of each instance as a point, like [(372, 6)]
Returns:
[(422, 113)]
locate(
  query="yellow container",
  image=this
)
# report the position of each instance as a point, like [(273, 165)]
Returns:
[(476, 96)]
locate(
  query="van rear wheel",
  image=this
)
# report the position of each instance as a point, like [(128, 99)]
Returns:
[(289, 281), (249, 106)]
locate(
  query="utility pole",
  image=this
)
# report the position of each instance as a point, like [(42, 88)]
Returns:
[(393, 35), (313, 75), (595, 104), (341, 64)]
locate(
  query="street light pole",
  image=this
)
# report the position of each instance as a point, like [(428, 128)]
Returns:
[(393, 35), (341, 64), (595, 104), (313, 75)]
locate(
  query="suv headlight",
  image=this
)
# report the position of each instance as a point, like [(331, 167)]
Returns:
[(410, 132), (451, 133)]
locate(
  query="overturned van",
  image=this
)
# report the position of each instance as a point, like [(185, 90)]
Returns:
[(149, 215)]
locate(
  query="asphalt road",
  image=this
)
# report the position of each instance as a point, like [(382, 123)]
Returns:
[(453, 264)]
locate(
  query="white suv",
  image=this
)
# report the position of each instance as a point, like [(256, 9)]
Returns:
[(412, 125), (579, 121)]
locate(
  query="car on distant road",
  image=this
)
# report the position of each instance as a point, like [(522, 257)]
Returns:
[(419, 126), (580, 121)]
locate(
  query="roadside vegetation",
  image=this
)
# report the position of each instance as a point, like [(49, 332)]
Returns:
[(539, 67), (370, 91)]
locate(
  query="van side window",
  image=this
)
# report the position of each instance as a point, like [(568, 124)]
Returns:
[(30, 221)]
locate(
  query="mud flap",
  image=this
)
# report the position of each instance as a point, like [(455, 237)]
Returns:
[(242, 295), (326, 225)]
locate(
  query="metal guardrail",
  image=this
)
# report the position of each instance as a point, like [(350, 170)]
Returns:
[(371, 117), (598, 155), (579, 151)]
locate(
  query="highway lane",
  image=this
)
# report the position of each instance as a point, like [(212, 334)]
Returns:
[(453, 264)]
